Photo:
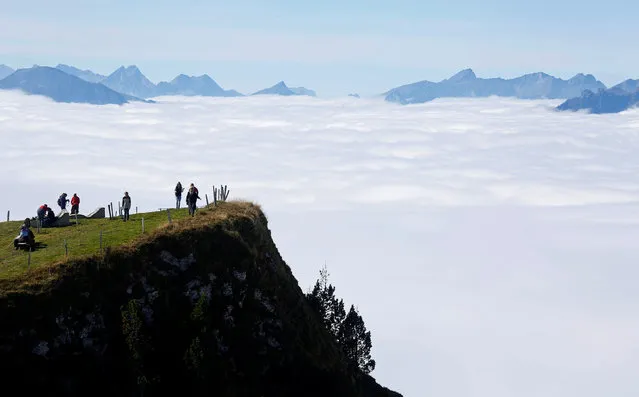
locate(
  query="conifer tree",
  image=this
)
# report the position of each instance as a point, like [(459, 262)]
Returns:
[(348, 330), (356, 342)]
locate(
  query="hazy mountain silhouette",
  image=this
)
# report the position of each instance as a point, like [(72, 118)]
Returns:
[(130, 81), (62, 87), (5, 71), (281, 89), (86, 75), (194, 85), (622, 96), (466, 84)]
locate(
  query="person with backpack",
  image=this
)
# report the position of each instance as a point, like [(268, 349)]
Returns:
[(191, 199), (75, 204), (126, 206), (62, 201), (178, 194)]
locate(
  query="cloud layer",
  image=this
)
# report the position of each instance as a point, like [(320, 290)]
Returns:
[(489, 243)]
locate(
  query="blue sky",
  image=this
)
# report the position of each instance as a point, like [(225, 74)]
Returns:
[(334, 47)]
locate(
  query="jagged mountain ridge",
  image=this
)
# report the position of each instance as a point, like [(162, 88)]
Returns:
[(202, 85), (129, 80), (466, 84), (86, 75), (62, 87), (617, 99)]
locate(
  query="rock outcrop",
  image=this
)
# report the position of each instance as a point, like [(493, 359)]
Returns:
[(203, 306)]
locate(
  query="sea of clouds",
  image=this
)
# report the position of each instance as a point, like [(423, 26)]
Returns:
[(490, 244)]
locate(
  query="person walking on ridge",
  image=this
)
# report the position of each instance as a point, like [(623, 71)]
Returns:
[(191, 199), (75, 204), (62, 201), (178, 194), (126, 206)]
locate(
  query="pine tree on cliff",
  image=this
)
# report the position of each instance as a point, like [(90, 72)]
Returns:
[(348, 330), (323, 300), (356, 342)]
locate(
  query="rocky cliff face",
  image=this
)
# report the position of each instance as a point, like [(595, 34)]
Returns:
[(206, 306)]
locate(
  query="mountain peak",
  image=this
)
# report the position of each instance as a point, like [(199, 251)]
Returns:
[(464, 75), (130, 80), (5, 71), (281, 84)]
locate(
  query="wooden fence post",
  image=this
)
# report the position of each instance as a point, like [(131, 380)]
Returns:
[(168, 213), (136, 209), (143, 225), (207, 199), (8, 212)]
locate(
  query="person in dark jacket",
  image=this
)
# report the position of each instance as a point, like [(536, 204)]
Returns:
[(62, 201), (178, 194), (42, 212), (191, 199), (48, 219), (126, 206)]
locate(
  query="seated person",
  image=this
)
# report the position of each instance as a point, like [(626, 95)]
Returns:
[(50, 218), (25, 236)]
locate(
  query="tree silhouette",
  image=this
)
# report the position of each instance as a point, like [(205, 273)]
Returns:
[(323, 300), (348, 330), (356, 342)]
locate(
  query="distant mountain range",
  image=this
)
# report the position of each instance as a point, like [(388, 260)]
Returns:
[(66, 83), (467, 84), (621, 97), (62, 87)]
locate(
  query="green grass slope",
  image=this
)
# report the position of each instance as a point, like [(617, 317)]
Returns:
[(201, 306), (82, 239)]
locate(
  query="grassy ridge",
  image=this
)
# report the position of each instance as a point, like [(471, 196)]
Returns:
[(82, 239)]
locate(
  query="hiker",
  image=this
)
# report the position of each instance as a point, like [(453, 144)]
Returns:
[(75, 204), (62, 201), (25, 236), (49, 218), (178, 194), (191, 199), (126, 206), (42, 212)]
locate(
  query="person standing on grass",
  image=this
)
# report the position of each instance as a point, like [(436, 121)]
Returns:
[(42, 211), (75, 204), (178, 194), (126, 205), (191, 199)]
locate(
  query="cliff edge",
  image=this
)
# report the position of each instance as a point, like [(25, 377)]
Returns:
[(202, 306)]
